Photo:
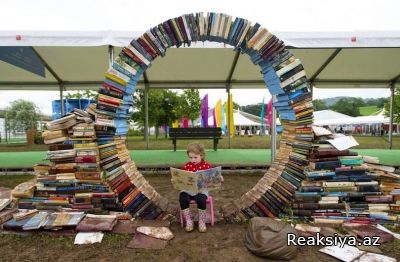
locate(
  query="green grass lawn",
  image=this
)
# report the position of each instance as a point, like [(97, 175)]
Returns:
[(368, 110), (10, 181), (171, 158), (249, 150), (241, 142)]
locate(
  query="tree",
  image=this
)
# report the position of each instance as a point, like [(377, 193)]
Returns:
[(171, 108), (319, 104), (22, 115), (254, 109), (86, 94), (348, 106), (164, 108), (236, 105), (191, 104), (396, 106), (155, 100)]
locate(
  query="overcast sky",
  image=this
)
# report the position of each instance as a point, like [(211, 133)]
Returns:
[(278, 16), (288, 15)]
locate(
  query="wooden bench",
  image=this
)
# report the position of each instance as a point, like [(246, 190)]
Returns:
[(213, 133)]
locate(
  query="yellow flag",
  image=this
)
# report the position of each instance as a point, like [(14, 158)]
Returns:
[(229, 115), (218, 115), (232, 124)]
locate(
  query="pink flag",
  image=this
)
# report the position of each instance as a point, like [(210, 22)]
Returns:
[(214, 118), (269, 113), (185, 122)]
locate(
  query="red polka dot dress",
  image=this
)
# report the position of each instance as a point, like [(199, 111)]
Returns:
[(189, 166)]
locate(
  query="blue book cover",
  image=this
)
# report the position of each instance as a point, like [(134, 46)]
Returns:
[(36, 221)]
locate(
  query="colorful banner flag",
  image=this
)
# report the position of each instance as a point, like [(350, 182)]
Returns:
[(269, 113), (214, 118), (204, 111), (262, 116), (218, 115), (185, 122), (223, 119), (229, 116)]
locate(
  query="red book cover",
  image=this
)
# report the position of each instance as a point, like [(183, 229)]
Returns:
[(118, 180), (85, 159), (123, 186), (132, 56), (112, 88), (264, 209), (109, 102)]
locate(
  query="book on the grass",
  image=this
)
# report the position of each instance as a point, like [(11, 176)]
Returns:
[(196, 182)]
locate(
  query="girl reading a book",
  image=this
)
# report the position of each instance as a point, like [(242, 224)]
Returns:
[(196, 154)]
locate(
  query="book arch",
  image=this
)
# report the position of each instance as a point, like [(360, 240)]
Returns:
[(283, 74)]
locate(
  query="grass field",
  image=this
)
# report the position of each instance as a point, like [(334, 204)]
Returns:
[(368, 110), (167, 158), (255, 142), (249, 150)]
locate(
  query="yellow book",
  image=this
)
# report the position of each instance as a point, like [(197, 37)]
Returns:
[(115, 78), (85, 145), (179, 35)]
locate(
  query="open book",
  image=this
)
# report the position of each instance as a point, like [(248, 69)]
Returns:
[(196, 182)]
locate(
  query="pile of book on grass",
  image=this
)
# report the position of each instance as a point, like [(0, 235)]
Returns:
[(341, 186)]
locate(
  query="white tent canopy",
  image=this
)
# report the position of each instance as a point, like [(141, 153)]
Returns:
[(332, 118), (240, 119), (78, 59)]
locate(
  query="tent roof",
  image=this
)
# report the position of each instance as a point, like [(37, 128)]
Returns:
[(78, 60), (329, 117), (239, 119)]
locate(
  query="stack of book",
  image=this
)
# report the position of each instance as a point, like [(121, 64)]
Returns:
[(75, 175), (132, 190), (114, 102), (52, 137), (390, 187), (340, 186)]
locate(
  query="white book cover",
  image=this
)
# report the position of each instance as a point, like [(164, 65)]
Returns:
[(200, 181), (228, 27)]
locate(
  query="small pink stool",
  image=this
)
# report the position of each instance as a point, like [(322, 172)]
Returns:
[(210, 203)]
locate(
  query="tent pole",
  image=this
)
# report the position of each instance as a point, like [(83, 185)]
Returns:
[(110, 55), (146, 109), (62, 100), (229, 116), (273, 131), (391, 115), (312, 89)]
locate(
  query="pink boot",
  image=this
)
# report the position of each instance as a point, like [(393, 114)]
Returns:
[(202, 221), (188, 220)]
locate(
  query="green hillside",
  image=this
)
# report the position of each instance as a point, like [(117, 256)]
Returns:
[(368, 110)]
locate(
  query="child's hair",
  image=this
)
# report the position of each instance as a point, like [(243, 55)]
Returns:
[(196, 148)]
